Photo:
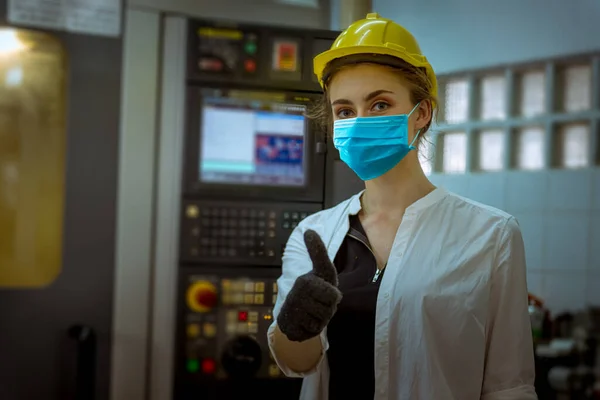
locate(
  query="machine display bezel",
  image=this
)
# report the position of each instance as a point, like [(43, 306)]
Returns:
[(314, 160)]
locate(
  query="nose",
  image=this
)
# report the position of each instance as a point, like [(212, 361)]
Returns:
[(362, 112)]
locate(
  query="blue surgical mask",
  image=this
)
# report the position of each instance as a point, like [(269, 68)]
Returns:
[(371, 146)]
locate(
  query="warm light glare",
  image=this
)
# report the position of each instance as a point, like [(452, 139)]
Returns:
[(10, 42), (32, 158)]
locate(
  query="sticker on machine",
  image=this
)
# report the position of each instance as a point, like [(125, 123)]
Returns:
[(94, 17), (285, 56)]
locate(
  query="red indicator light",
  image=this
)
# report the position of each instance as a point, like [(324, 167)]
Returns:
[(250, 65), (209, 366), (243, 316)]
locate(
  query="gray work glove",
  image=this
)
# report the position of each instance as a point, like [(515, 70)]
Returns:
[(313, 299)]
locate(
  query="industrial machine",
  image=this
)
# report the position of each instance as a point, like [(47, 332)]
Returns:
[(60, 96), (254, 166)]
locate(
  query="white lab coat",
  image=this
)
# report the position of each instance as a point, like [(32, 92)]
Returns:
[(452, 318)]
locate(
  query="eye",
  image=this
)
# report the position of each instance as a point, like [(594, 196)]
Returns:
[(344, 113), (380, 106)]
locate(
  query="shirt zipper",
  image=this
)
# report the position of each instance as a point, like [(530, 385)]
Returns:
[(378, 271)]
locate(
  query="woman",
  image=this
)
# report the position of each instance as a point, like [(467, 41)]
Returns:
[(426, 297)]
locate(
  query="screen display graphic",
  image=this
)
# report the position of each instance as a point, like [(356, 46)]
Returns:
[(252, 140)]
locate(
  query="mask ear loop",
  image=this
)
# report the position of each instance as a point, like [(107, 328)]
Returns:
[(418, 132)]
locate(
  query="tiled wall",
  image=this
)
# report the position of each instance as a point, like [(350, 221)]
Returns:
[(559, 214), (558, 209), (526, 139)]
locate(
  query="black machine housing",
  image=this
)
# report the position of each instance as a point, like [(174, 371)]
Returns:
[(232, 235)]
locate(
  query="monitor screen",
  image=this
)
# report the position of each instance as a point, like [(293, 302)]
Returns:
[(251, 139)]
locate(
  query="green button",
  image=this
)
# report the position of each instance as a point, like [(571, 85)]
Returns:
[(193, 366), (250, 47)]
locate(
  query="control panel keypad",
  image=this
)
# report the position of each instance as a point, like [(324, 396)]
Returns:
[(237, 231), (291, 219)]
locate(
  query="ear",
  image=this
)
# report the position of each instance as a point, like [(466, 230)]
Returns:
[(424, 114)]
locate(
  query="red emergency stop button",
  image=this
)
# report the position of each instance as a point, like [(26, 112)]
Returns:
[(202, 296)]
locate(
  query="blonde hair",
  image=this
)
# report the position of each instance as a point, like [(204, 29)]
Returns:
[(416, 79)]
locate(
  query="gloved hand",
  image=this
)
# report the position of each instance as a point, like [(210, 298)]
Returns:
[(313, 299)]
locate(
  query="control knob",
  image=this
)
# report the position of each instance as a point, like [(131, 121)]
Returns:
[(242, 357), (202, 296)]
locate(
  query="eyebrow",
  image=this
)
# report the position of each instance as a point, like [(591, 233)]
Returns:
[(368, 97)]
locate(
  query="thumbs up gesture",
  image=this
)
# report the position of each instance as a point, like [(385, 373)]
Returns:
[(313, 299)]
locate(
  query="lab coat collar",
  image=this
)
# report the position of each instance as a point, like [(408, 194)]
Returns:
[(428, 200)]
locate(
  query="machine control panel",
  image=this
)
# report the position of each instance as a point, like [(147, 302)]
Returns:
[(225, 327), (230, 52), (239, 232)]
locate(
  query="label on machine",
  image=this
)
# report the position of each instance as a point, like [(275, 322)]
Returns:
[(285, 57), (96, 17)]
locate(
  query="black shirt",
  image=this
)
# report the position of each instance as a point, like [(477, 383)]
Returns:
[(351, 331)]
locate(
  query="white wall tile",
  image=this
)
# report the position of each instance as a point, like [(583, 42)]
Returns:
[(535, 281), (566, 241), (594, 242), (570, 190), (596, 189), (488, 189), (458, 184), (593, 289), (526, 191), (564, 291)]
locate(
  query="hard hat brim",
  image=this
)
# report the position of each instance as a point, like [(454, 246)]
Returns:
[(321, 61)]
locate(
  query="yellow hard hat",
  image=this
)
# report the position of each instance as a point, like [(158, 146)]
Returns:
[(376, 35)]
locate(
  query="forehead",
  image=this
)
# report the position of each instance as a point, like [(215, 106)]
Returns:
[(355, 82)]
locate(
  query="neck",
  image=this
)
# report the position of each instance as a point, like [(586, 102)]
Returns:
[(393, 192)]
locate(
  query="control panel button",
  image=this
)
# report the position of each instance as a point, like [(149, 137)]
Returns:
[(252, 327), (202, 296), (253, 316), (250, 66), (193, 330), (192, 366), (209, 366), (250, 47), (192, 211), (259, 287), (243, 316), (231, 328), (210, 330), (238, 298)]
